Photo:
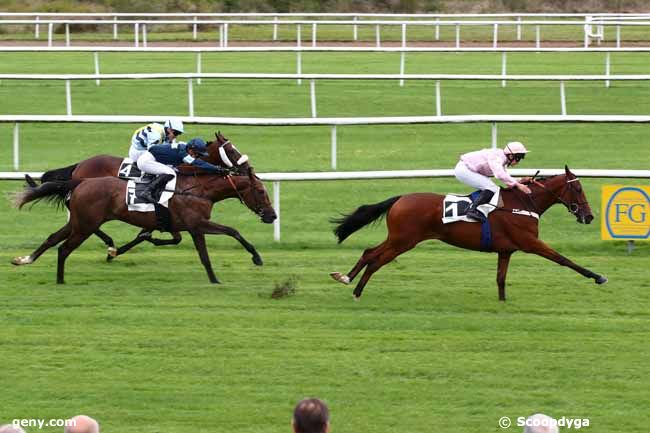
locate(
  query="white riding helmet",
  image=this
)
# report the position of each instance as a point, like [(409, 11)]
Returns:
[(514, 147), (175, 124)]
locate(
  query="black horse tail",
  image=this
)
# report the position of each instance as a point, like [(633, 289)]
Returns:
[(53, 192), (361, 217), (58, 174)]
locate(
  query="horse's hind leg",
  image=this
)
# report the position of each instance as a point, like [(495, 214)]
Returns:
[(363, 261), (51, 241), (381, 256), (72, 243), (107, 240)]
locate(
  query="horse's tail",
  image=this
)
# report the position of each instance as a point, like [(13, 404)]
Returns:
[(59, 174), (361, 217), (53, 192)]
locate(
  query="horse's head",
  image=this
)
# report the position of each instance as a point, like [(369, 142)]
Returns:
[(257, 199), (573, 197), (248, 186)]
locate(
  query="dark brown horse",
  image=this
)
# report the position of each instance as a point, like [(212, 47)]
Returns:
[(414, 218), (221, 152), (97, 200)]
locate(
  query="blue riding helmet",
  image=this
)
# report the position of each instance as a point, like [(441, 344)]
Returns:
[(198, 145)]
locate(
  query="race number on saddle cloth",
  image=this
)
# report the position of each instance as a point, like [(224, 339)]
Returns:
[(455, 207)]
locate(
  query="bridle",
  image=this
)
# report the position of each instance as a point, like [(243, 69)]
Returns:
[(572, 207)]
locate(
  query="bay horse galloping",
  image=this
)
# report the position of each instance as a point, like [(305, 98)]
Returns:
[(413, 218), (221, 152), (97, 200)]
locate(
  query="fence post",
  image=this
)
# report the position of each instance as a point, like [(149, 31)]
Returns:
[(190, 96), (136, 34), (403, 35), (313, 35), (298, 45), (37, 29), (537, 36), (225, 35), (194, 29), (275, 28), (401, 67), (198, 66), (49, 34), (68, 98), (495, 35), (503, 68), (438, 104), (333, 140), (618, 36), (377, 36), (67, 34), (96, 58), (276, 207), (437, 36), (220, 35), (518, 28), (115, 28), (144, 35), (494, 135), (457, 35), (312, 91), (16, 147), (607, 67), (562, 98), (355, 33)]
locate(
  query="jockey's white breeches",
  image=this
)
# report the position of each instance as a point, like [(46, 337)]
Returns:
[(135, 153), (474, 179), (148, 164)]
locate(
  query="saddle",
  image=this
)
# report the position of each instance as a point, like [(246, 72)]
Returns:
[(456, 206)]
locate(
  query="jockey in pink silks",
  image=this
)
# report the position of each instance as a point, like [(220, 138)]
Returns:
[(476, 168)]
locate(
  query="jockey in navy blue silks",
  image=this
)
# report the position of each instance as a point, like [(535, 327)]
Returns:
[(160, 159)]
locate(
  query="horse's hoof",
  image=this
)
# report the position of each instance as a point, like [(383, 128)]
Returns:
[(341, 278), (355, 298), (258, 260), (109, 258), (112, 252), (601, 280), (23, 260)]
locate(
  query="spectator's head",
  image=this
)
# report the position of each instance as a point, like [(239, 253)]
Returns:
[(81, 424), (311, 416), (10, 428), (540, 423)]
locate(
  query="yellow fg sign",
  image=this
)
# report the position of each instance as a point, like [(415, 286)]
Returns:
[(625, 213)]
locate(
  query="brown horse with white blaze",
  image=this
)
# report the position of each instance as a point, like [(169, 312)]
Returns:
[(413, 218), (97, 200)]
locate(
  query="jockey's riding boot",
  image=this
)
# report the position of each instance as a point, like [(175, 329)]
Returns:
[(483, 197), (155, 184)]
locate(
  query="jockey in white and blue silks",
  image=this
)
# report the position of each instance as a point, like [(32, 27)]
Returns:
[(160, 159), (154, 134)]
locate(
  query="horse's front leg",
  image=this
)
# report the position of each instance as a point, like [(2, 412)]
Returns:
[(538, 247), (199, 243), (502, 270), (212, 228)]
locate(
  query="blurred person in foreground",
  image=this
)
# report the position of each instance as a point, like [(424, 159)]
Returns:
[(81, 424), (10, 428), (540, 423), (311, 415)]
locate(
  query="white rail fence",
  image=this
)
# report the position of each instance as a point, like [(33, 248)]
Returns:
[(332, 122), (276, 178), (401, 78), (140, 27), (299, 50)]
